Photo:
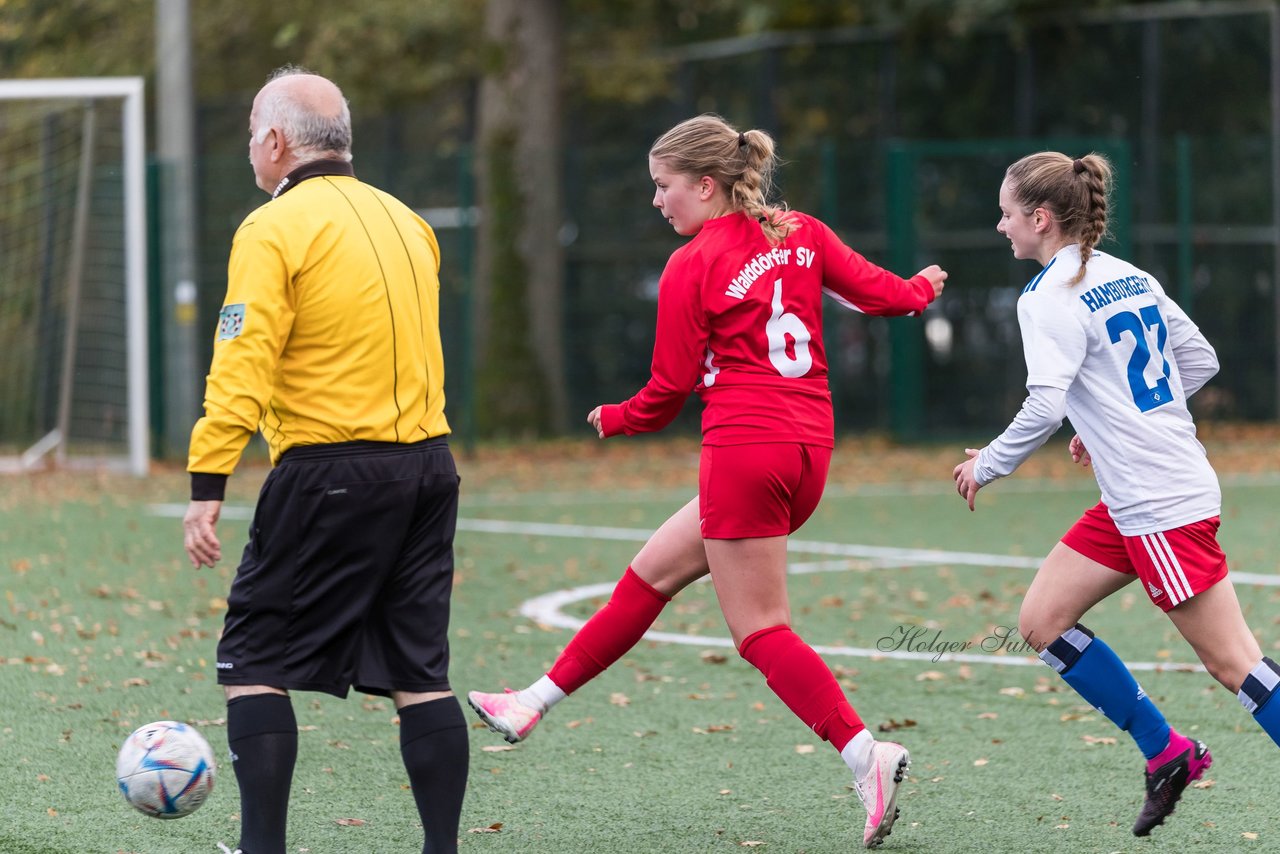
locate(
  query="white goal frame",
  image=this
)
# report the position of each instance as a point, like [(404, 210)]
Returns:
[(129, 90)]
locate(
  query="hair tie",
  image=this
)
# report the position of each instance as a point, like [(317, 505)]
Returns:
[(742, 139), (1078, 165)]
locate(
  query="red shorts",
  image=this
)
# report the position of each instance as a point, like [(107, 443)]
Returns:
[(762, 490), (1172, 565)]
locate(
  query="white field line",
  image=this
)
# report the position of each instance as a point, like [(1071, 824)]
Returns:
[(548, 609), (941, 486)]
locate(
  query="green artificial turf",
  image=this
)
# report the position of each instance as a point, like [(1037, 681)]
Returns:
[(680, 747)]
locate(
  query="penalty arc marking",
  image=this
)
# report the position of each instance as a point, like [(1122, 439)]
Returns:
[(548, 609)]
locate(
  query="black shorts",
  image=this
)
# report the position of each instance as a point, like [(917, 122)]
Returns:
[(346, 578)]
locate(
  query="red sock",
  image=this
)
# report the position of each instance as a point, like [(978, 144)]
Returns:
[(802, 680), (609, 633)]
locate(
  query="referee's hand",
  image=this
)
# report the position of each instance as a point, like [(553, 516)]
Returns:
[(199, 534)]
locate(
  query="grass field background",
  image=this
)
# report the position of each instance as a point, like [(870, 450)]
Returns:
[(680, 747)]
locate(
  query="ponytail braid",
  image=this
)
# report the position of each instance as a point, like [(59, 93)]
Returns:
[(1075, 191), (1096, 175), (742, 163)]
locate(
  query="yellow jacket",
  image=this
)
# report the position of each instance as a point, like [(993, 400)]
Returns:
[(330, 330)]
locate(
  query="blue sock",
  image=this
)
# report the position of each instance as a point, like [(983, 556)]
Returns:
[(1259, 687), (1089, 666)]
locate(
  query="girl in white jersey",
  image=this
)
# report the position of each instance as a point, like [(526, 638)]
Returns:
[(1106, 347)]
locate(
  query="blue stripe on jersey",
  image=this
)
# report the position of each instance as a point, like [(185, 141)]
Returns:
[(1031, 285)]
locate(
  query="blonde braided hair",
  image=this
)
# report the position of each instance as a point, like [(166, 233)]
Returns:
[(742, 163), (1075, 191)]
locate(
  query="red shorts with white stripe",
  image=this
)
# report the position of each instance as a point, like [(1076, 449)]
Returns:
[(1172, 565)]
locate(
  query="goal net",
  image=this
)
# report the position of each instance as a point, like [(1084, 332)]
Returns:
[(73, 338)]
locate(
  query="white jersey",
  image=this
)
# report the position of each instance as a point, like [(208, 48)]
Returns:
[(1108, 342)]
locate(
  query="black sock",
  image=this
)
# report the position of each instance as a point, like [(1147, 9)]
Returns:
[(263, 735), (434, 746)]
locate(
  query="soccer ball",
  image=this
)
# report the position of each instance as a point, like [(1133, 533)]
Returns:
[(165, 769)]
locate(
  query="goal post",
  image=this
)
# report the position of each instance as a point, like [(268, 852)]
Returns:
[(73, 290)]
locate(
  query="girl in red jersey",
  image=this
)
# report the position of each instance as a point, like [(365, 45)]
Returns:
[(740, 323)]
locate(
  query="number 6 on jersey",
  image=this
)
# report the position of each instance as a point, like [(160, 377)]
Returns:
[(780, 325)]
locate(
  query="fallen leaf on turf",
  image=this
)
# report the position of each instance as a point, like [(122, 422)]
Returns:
[(1062, 826), (712, 657), (751, 843), (1249, 835), (988, 716), (804, 748), (54, 814), (351, 822), (1013, 692), (980, 762), (726, 791), (493, 828), (617, 698), (497, 748), (891, 725), (1057, 797), (1093, 739), (930, 676), (713, 728), (757, 707)]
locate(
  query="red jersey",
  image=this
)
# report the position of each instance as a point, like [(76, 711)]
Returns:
[(740, 323)]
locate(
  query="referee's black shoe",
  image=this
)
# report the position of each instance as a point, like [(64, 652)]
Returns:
[(1166, 783)]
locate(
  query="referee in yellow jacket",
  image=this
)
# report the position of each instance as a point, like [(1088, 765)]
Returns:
[(329, 343)]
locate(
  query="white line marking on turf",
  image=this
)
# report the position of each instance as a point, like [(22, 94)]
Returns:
[(546, 609), (1032, 486), (895, 556)]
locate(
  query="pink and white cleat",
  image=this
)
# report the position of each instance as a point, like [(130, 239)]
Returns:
[(505, 714), (878, 790)]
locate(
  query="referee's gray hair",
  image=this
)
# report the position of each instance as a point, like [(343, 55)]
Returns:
[(311, 136)]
